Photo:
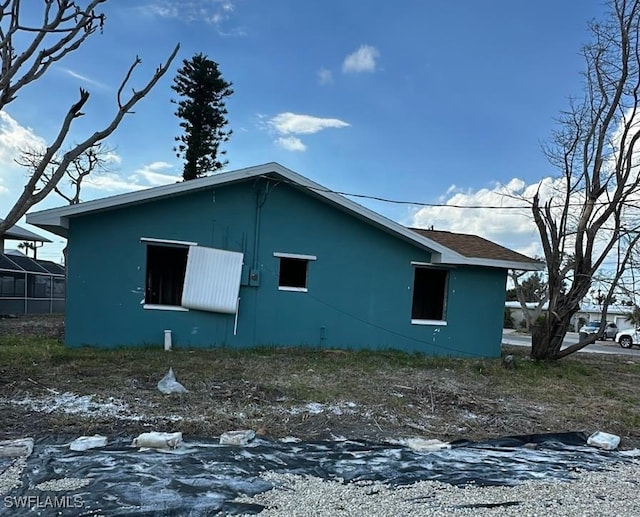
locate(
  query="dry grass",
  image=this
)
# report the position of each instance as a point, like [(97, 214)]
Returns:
[(363, 394)]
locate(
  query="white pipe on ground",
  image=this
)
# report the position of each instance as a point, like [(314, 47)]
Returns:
[(167, 340)]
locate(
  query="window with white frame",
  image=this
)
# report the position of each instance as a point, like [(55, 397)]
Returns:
[(293, 271), (429, 295)]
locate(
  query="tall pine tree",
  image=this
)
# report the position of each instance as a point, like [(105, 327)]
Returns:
[(203, 113)]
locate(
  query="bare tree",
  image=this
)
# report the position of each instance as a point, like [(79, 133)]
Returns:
[(95, 160), (26, 53), (593, 217)]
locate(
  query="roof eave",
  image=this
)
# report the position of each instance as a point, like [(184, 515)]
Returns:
[(58, 217), (56, 220), (501, 264)]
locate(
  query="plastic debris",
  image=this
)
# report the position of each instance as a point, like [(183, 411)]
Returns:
[(16, 448), (422, 445), (85, 443), (242, 437), (155, 440), (168, 384), (602, 440)]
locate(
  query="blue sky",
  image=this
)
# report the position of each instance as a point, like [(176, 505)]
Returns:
[(428, 101)]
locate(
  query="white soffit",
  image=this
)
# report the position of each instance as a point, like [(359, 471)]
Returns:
[(212, 280)]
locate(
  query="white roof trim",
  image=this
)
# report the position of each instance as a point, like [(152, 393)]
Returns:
[(56, 220), (19, 233)]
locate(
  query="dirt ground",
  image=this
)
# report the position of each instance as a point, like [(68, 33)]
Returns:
[(42, 325), (309, 395)]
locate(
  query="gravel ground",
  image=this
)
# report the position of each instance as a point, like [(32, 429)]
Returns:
[(11, 476), (606, 493)]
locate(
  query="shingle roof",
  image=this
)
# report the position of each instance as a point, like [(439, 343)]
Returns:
[(472, 246)]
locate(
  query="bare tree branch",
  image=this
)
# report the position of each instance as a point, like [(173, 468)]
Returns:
[(95, 160), (65, 26), (70, 22), (30, 195)]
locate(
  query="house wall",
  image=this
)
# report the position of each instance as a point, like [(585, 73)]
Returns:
[(359, 288)]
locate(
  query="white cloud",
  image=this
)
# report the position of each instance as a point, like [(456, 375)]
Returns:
[(15, 138), (362, 60), (151, 174), (293, 123), (291, 143), (214, 12), (112, 182), (163, 10), (506, 219), (147, 176), (325, 76), (83, 78), (289, 125), (112, 158)]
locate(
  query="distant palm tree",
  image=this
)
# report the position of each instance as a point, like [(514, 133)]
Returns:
[(634, 316)]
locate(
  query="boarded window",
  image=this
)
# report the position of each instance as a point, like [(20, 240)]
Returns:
[(429, 294), (293, 273), (193, 277), (212, 280), (166, 267)]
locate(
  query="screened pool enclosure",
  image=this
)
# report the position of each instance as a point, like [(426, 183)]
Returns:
[(29, 286)]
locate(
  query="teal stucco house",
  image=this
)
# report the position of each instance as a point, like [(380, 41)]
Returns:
[(264, 256)]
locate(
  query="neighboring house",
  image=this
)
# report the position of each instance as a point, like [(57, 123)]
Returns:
[(617, 314), (264, 256), (588, 312), (17, 233), (29, 286)]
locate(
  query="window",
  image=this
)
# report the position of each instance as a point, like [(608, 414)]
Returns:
[(429, 295), (293, 272), (166, 266), (182, 276)]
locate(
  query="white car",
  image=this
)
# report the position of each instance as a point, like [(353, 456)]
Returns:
[(629, 337)]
